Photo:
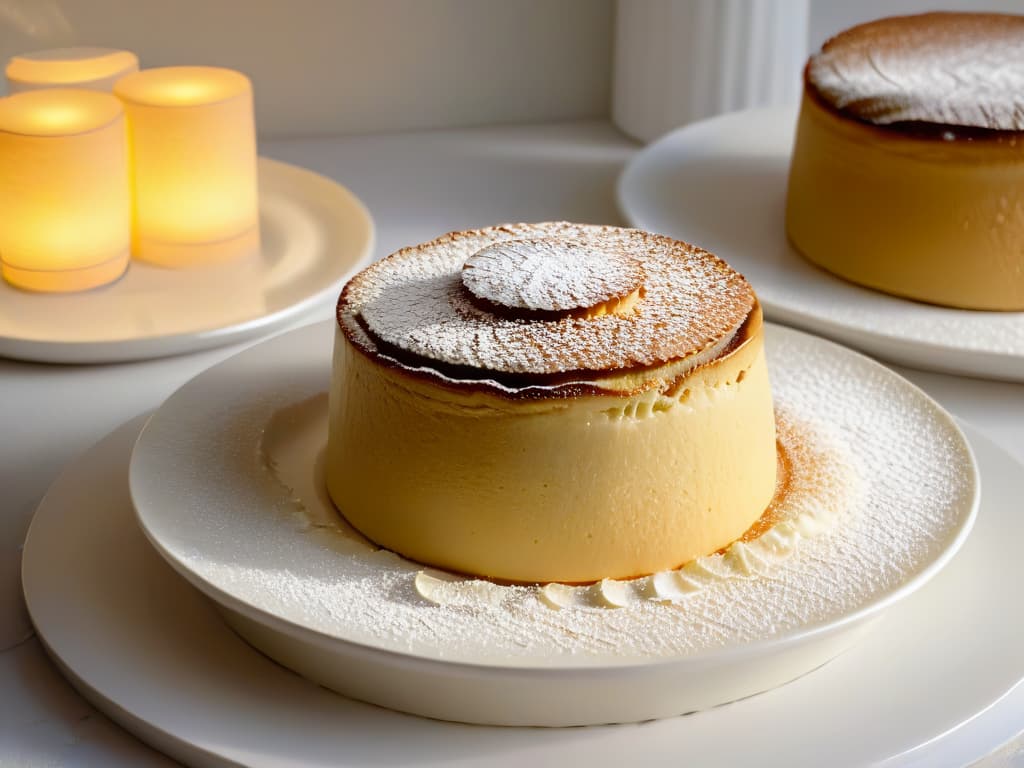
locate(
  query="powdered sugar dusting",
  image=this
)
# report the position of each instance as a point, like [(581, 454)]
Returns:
[(415, 301), (238, 529), (551, 275), (955, 69)]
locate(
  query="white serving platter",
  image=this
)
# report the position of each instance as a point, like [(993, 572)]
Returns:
[(206, 500), (930, 687), (721, 184)]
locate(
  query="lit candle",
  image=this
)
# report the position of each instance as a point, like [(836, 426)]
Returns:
[(193, 160), (65, 204), (94, 68)]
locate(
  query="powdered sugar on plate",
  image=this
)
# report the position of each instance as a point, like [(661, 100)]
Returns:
[(204, 494), (816, 490)]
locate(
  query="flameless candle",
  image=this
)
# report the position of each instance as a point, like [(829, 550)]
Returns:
[(94, 68), (193, 159), (65, 204)]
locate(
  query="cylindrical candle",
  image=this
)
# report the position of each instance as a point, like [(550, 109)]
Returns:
[(94, 68), (193, 159), (65, 204)]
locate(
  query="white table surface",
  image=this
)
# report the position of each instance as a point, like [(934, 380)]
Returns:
[(417, 186)]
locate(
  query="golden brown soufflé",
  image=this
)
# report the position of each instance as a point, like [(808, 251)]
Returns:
[(550, 402), (908, 168)]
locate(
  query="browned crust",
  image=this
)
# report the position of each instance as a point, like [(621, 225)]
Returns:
[(926, 130), (520, 313), (534, 387), (507, 385), (937, 132)]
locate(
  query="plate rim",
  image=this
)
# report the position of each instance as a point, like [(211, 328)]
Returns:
[(179, 744), (601, 667), (989, 363), (151, 347)]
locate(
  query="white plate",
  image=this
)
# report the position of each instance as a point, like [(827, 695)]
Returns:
[(721, 184), (354, 623), (315, 235), (153, 654)]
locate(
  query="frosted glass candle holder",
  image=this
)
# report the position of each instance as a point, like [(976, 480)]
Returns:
[(65, 204), (96, 69), (193, 159)]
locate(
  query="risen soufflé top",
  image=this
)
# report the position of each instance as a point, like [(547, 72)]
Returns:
[(524, 304), (955, 70)]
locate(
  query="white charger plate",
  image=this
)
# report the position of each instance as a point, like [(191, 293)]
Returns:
[(315, 234), (928, 688), (721, 184), (206, 500)]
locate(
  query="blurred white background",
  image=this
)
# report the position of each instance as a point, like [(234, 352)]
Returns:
[(357, 66)]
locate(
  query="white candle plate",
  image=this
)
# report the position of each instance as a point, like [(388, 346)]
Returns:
[(315, 234)]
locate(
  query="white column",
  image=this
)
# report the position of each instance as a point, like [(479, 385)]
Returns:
[(677, 61)]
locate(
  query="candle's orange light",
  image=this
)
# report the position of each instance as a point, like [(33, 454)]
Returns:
[(183, 86), (92, 68), (193, 160), (65, 205)]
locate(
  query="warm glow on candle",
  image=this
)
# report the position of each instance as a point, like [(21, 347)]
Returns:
[(65, 207), (193, 158), (93, 68)]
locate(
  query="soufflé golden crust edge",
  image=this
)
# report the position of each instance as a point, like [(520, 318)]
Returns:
[(909, 190), (624, 381), (634, 472), (846, 78)]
